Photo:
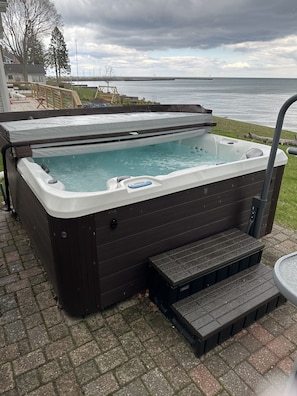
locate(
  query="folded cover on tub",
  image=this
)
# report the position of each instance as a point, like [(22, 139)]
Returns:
[(83, 126)]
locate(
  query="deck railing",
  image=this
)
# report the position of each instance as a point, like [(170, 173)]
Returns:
[(50, 96), (56, 97)]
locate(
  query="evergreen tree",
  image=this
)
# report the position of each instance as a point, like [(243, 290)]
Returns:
[(35, 50), (57, 56)]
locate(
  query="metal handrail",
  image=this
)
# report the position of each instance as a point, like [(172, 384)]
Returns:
[(259, 202)]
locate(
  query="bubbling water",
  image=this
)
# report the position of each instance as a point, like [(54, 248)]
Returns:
[(90, 172)]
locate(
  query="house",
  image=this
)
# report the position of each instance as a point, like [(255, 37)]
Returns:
[(14, 72), (8, 58)]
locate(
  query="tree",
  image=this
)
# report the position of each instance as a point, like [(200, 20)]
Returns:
[(57, 55), (25, 23), (108, 75), (36, 53)]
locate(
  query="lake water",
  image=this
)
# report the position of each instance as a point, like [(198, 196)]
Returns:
[(254, 100)]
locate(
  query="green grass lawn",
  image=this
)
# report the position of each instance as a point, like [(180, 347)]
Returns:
[(239, 129), (286, 213)]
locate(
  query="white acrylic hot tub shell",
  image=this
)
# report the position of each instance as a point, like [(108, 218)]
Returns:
[(65, 204)]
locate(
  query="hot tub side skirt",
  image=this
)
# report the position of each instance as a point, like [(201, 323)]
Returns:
[(33, 217), (66, 248), (93, 264), (76, 263), (163, 223)]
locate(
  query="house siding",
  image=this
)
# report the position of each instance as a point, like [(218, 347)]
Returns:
[(14, 72)]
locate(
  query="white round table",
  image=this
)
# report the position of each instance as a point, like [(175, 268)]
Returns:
[(285, 277)]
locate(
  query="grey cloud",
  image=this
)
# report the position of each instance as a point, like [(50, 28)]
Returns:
[(162, 24)]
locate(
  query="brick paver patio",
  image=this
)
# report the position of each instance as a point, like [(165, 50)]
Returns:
[(131, 348)]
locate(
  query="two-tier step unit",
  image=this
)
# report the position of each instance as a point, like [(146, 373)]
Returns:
[(213, 288)]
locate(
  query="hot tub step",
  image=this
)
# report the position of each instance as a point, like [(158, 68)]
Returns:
[(183, 271), (212, 315)]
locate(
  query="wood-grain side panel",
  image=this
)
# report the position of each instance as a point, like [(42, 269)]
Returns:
[(76, 264), (157, 225)]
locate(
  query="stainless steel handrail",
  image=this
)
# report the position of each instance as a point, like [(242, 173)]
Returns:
[(259, 202)]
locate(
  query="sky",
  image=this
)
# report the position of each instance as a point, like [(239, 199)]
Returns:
[(181, 38)]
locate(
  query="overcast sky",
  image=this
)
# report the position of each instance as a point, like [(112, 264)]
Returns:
[(182, 38)]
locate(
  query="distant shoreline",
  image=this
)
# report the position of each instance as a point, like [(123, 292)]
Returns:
[(137, 78)]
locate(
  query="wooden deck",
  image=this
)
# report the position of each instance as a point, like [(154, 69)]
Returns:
[(27, 104)]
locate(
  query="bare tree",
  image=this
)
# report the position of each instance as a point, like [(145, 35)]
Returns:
[(24, 22), (108, 75)]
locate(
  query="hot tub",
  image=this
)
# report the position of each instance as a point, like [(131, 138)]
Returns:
[(95, 244)]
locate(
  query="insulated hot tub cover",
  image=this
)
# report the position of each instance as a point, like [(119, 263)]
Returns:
[(90, 126)]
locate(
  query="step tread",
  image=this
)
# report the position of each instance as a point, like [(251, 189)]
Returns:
[(198, 258), (208, 311)]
